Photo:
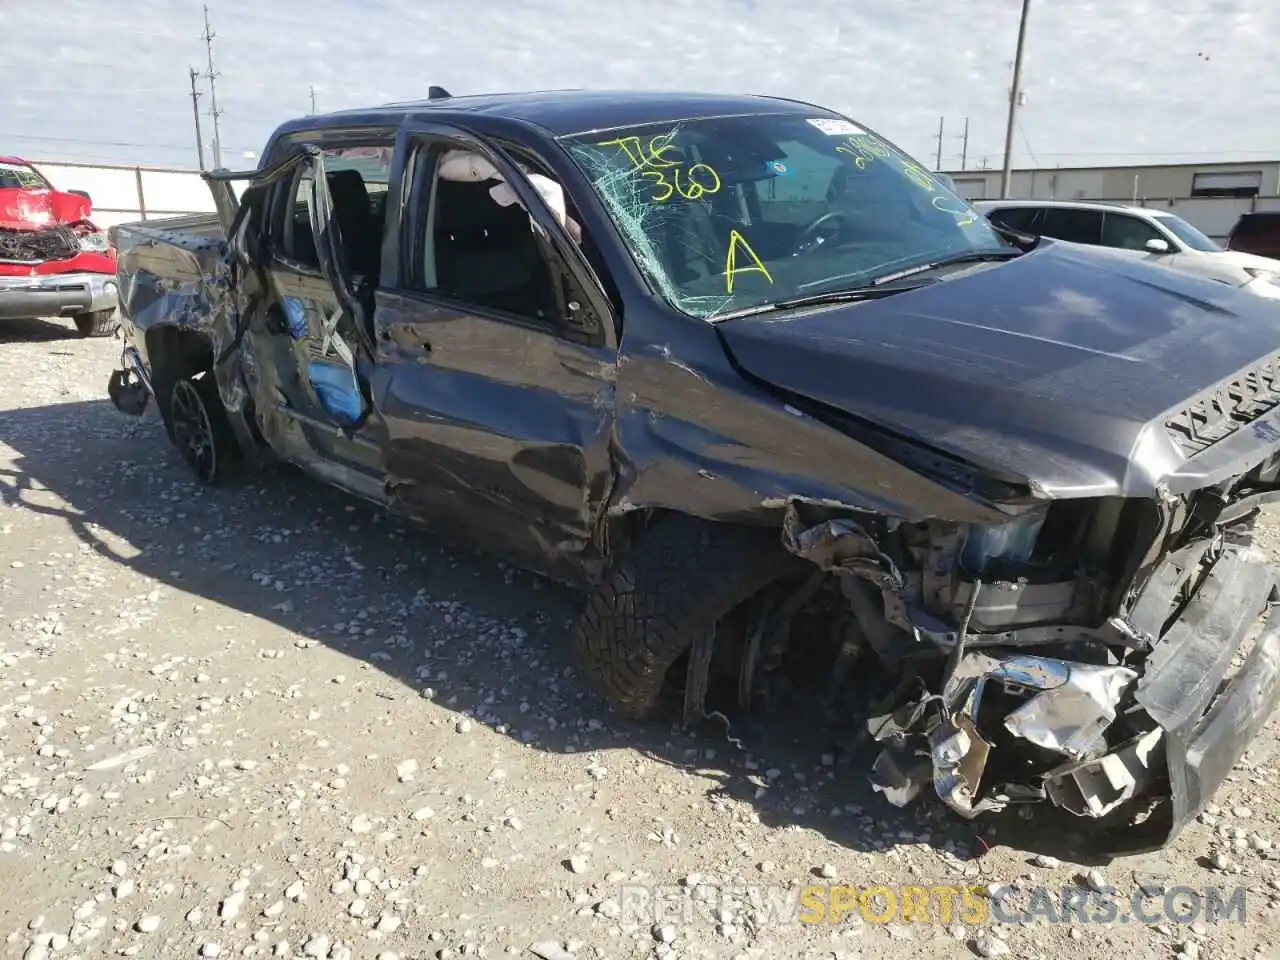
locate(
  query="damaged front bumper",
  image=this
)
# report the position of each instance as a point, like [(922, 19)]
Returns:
[(1150, 735)]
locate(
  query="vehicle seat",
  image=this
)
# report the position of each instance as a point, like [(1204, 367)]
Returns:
[(360, 231), (487, 254)]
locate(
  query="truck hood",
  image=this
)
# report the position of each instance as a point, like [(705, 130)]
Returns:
[(26, 208), (1059, 368)]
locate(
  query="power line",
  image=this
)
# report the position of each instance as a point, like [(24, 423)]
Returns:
[(89, 142), (213, 93), (1027, 143)]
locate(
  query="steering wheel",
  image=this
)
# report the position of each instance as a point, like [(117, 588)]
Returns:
[(807, 236)]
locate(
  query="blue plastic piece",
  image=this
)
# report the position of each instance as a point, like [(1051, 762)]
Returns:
[(337, 389), (295, 316)]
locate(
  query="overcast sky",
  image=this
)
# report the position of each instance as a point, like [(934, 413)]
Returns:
[(1107, 81)]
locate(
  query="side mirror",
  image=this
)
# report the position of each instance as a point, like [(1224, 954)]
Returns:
[(1157, 245)]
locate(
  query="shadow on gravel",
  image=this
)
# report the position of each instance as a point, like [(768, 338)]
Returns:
[(490, 640), (37, 331)]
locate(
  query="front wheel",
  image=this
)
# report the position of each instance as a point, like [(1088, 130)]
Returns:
[(682, 578), (97, 323), (198, 427)]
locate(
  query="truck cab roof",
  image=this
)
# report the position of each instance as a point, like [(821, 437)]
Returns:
[(557, 112)]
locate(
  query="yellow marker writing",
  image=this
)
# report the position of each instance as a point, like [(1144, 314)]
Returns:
[(631, 146), (916, 174), (963, 217), (731, 268)]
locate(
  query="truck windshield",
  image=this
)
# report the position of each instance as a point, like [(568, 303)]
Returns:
[(730, 213), (19, 176)]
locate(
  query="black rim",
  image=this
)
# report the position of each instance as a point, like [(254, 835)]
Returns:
[(192, 430)]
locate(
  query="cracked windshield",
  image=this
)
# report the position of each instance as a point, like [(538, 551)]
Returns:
[(730, 213)]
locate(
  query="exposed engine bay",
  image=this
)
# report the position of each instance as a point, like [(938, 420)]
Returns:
[(58, 242), (1053, 658)]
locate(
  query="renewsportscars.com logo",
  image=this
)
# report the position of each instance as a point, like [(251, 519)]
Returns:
[(816, 904)]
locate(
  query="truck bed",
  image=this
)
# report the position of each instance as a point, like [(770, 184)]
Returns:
[(170, 270)]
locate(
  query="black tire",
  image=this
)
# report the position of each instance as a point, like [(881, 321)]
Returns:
[(99, 323), (682, 577), (197, 425)]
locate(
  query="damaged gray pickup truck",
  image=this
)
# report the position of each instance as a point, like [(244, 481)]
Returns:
[(772, 395)]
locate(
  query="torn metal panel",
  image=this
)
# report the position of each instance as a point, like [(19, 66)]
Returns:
[(959, 754), (1075, 705), (1071, 717), (1094, 788)]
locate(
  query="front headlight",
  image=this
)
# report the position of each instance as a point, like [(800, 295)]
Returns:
[(95, 242)]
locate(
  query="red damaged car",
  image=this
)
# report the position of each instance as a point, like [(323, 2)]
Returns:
[(54, 261)]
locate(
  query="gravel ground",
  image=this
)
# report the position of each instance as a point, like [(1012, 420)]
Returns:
[(266, 721)]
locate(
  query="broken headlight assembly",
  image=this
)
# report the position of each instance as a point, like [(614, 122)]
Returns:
[(91, 239), (1028, 700)]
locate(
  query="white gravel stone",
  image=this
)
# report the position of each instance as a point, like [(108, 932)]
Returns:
[(989, 946), (388, 923), (148, 924)]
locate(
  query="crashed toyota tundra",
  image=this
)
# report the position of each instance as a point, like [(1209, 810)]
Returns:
[(772, 394)]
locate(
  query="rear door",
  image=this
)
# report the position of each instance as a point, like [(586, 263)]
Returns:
[(497, 354), (305, 317)]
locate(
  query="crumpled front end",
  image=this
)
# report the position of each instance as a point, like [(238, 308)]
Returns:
[(1110, 657)]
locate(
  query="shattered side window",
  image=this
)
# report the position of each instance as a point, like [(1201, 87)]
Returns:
[(730, 213)]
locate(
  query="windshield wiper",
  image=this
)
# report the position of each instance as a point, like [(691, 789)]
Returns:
[(959, 258), (865, 291)]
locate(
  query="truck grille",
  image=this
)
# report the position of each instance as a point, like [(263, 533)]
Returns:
[(1226, 409)]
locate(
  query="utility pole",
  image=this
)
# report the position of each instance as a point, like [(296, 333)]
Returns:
[(195, 110), (313, 101), (964, 146), (1014, 94), (213, 95), (942, 121)]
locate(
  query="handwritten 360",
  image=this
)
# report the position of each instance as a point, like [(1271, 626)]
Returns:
[(670, 177)]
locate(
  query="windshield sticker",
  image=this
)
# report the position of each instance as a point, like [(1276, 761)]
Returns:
[(834, 127), (775, 168), (737, 242), (670, 175)]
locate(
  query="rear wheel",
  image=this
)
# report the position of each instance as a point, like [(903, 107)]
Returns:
[(198, 427), (683, 577), (97, 323)]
